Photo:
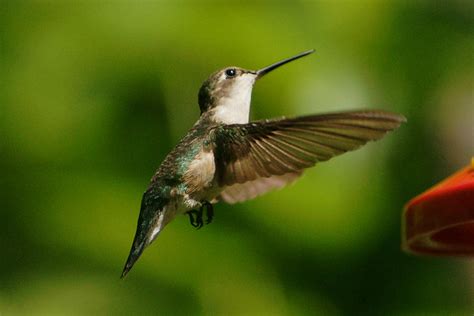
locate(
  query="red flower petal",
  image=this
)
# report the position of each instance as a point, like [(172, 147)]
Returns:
[(440, 221)]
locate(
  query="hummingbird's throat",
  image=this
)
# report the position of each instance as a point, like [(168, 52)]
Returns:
[(233, 107)]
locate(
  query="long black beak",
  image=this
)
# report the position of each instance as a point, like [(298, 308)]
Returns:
[(264, 71)]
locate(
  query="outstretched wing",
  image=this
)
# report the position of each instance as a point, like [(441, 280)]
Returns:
[(268, 148)]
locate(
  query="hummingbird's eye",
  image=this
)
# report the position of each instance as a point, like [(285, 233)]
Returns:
[(231, 72)]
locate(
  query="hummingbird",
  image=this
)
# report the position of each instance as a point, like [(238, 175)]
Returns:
[(225, 157)]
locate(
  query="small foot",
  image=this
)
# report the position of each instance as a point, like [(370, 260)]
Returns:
[(195, 218), (209, 212)]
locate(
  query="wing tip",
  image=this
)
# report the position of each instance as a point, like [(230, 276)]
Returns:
[(392, 116), (393, 119)]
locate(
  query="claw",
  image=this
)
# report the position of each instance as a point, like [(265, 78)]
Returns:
[(193, 220), (209, 212), (195, 216), (199, 218)]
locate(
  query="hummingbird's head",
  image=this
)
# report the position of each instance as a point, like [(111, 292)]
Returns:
[(225, 95)]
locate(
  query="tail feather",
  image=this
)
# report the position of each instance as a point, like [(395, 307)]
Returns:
[(135, 253), (150, 223)]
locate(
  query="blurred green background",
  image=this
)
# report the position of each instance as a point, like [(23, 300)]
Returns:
[(93, 95)]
